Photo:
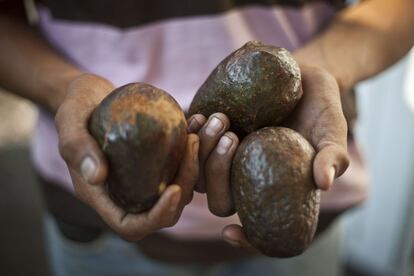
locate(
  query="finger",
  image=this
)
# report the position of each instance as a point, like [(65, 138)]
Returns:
[(80, 150), (330, 162), (195, 123), (329, 139), (187, 175), (167, 210), (129, 226), (97, 197), (220, 201), (328, 133), (234, 235), (210, 133), (164, 213)]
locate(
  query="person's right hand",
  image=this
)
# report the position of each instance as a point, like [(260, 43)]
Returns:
[(320, 119), (88, 167)]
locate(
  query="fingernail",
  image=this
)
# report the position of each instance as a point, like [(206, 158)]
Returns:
[(214, 126), (88, 169), (224, 145), (332, 173), (193, 125), (233, 243)]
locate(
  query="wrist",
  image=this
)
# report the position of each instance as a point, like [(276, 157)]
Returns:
[(54, 85), (79, 81), (317, 57), (79, 84)]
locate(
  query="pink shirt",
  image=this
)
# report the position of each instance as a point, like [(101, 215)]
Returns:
[(175, 55)]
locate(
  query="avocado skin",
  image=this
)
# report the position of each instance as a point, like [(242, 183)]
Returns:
[(274, 192), (142, 131), (256, 86)]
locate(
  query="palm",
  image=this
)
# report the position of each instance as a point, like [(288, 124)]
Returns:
[(319, 118)]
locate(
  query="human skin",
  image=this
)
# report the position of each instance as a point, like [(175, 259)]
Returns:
[(361, 42), (30, 68), (358, 44)]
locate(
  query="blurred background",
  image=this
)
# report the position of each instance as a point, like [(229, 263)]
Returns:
[(379, 235), (377, 238)]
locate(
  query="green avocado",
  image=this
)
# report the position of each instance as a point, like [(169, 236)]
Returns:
[(274, 192), (256, 86), (142, 131)]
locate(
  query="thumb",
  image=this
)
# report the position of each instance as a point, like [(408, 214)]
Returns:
[(82, 154), (330, 162), (77, 147)]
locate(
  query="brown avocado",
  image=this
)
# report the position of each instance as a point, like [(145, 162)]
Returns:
[(274, 191), (256, 86), (142, 131)]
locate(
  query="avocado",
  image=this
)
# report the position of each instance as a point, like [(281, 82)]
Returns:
[(274, 192), (256, 86), (142, 131)]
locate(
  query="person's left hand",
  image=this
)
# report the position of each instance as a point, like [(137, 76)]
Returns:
[(318, 117)]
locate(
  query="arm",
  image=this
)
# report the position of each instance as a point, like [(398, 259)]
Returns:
[(28, 65), (31, 68), (362, 41)]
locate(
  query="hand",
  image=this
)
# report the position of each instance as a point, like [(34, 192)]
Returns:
[(319, 118), (88, 167), (217, 148)]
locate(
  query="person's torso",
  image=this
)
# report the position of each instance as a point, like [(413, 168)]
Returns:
[(173, 45)]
